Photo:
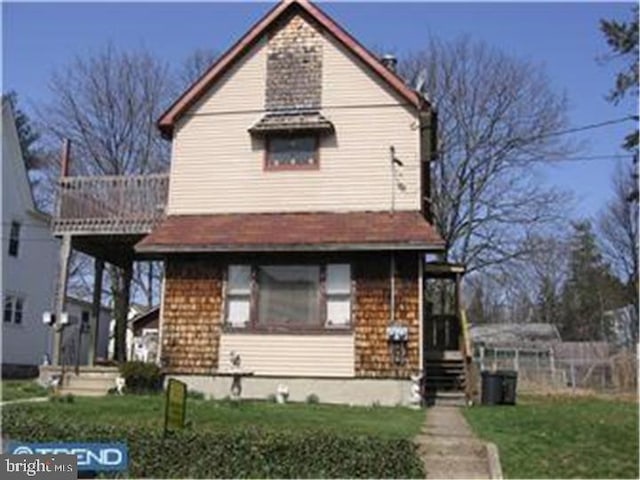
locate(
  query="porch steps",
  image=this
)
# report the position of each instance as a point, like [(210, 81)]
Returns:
[(88, 382), (445, 380)]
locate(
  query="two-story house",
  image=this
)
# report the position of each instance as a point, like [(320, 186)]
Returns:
[(297, 219), (29, 256)]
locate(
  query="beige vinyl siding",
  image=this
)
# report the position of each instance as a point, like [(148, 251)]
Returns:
[(217, 167), (241, 88), (290, 355)]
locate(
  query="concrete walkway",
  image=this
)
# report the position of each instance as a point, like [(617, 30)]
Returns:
[(448, 447), (24, 400)]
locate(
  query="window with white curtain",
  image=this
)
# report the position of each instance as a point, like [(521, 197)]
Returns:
[(239, 295), (338, 288)]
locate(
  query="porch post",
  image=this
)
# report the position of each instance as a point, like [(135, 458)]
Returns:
[(98, 270), (61, 297), (457, 294), (122, 312)]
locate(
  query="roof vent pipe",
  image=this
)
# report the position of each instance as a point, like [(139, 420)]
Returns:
[(390, 61)]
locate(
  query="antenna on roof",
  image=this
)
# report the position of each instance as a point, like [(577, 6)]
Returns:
[(420, 80)]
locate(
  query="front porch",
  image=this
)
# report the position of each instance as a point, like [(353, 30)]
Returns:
[(103, 217)]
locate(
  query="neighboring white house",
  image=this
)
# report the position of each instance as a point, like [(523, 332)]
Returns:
[(29, 259), (142, 333), (79, 312)]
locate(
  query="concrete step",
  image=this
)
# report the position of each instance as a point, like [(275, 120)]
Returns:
[(457, 467), (445, 355), (83, 392), (452, 398), (98, 384)]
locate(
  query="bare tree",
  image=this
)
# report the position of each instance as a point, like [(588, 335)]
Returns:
[(107, 104), (194, 66), (497, 118), (618, 229)]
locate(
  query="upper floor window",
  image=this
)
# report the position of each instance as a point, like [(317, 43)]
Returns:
[(291, 151), (13, 309), (14, 239)]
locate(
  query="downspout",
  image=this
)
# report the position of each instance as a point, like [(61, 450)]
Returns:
[(392, 281), (392, 258)]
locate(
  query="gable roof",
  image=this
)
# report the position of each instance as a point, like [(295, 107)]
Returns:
[(204, 83), (16, 162)]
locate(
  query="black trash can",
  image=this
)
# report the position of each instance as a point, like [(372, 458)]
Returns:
[(491, 388), (509, 379)]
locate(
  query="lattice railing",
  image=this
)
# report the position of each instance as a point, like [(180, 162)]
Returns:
[(110, 204)]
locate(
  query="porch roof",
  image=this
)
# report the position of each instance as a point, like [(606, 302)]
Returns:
[(404, 230)]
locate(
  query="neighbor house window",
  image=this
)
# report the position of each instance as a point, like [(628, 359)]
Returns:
[(289, 297), (14, 239), (13, 309), (292, 151)]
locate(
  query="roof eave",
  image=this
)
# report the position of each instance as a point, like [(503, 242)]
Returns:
[(319, 247)]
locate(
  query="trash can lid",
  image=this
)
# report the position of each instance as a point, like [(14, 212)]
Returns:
[(507, 373)]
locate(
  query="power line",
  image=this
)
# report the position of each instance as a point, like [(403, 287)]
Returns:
[(581, 128), (588, 158)]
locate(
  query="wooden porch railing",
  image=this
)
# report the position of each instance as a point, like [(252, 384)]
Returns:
[(110, 204)]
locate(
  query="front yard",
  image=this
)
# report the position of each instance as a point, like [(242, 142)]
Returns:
[(225, 439), (19, 389), (148, 411), (562, 437)]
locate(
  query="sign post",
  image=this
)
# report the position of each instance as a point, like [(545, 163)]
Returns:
[(175, 405)]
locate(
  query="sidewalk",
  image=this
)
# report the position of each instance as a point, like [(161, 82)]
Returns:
[(24, 400), (448, 447)]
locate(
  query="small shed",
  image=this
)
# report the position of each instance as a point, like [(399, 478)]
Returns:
[(525, 347)]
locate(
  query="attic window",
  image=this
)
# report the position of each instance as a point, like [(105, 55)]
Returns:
[(291, 151)]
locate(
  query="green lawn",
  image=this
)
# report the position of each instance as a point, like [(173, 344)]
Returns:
[(224, 415), (17, 389), (562, 437)]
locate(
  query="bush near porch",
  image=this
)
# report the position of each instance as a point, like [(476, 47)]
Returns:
[(562, 436), (251, 439)]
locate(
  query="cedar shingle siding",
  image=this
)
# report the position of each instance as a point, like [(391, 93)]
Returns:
[(191, 316), (294, 67), (372, 307), (194, 300)]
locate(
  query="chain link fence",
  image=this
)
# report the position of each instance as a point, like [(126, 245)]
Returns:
[(595, 366)]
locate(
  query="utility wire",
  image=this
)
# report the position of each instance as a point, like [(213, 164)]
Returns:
[(581, 128)]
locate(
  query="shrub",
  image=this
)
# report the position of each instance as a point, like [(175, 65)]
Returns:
[(272, 398), (66, 398), (312, 398), (141, 377), (240, 453)]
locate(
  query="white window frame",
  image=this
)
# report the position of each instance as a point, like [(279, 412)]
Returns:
[(14, 300)]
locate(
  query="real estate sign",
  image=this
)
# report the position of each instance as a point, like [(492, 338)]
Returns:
[(175, 405)]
